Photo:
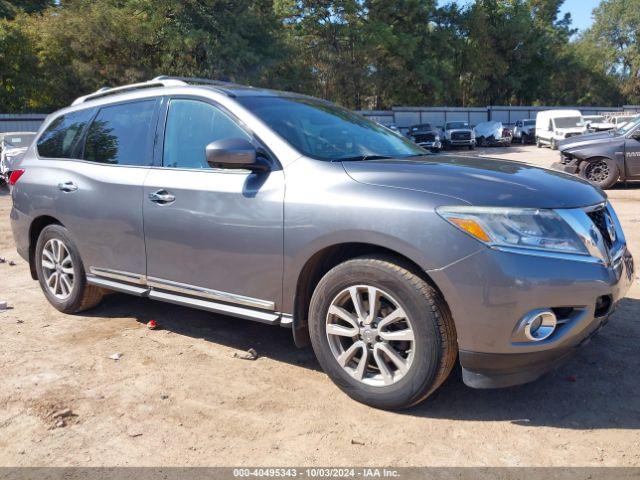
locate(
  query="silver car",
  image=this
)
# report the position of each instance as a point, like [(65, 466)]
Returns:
[(285, 209)]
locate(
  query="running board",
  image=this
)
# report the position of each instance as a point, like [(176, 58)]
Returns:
[(118, 286), (215, 307)]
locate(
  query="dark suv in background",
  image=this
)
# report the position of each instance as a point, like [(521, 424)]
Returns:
[(426, 136), (291, 211)]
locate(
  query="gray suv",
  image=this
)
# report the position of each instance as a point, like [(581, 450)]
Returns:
[(285, 209)]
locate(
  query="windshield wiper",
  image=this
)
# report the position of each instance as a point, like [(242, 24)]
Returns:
[(362, 158)]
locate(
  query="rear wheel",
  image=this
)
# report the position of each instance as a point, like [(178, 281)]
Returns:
[(61, 272), (602, 172), (381, 332)]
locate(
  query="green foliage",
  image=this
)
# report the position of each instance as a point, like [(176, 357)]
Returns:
[(360, 53)]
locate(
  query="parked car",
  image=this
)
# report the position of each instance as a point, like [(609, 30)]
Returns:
[(619, 121), (555, 125), (603, 158), (524, 131), (426, 136), (12, 146), (492, 134), (597, 123), (458, 134), (291, 211)]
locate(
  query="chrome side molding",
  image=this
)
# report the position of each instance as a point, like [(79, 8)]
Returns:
[(187, 289), (118, 275)]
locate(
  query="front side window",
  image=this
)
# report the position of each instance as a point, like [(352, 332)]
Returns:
[(191, 126), (121, 135), (324, 131), (62, 134)]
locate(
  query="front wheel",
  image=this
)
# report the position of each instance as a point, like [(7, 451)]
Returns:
[(538, 142), (61, 272), (602, 172), (381, 332), (554, 144)]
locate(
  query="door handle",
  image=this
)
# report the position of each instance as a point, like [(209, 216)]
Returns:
[(67, 186), (162, 197)]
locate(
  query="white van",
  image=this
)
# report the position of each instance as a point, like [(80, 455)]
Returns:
[(555, 125)]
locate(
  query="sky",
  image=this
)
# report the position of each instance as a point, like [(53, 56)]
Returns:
[(580, 11)]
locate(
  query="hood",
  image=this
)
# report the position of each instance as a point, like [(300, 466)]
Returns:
[(478, 181), (590, 139)]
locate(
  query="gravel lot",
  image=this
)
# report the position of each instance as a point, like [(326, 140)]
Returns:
[(178, 396)]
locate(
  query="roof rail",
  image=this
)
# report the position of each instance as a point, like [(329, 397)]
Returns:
[(194, 80), (156, 82)]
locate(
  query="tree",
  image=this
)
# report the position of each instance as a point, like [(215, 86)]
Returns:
[(616, 35)]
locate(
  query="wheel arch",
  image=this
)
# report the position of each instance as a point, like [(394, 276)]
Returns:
[(37, 225), (327, 258)]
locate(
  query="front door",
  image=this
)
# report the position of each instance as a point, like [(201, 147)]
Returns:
[(211, 232), (632, 154)]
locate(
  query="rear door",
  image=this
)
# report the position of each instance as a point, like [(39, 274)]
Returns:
[(212, 233), (99, 195)]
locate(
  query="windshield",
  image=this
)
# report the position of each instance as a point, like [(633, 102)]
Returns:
[(594, 119), (568, 122), (425, 127), (454, 125), (325, 131), (529, 123), (627, 127), (18, 140)]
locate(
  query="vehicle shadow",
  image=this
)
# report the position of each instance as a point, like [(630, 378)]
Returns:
[(596, 389)]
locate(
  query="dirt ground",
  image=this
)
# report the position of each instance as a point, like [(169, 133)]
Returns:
[(178, 396)]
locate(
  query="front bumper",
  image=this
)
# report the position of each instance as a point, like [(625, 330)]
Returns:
[(491, 291), (462, 143), (431, 145)]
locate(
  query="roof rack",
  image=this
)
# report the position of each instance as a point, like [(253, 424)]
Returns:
[(160, 81), (105, 91), (194, 80)]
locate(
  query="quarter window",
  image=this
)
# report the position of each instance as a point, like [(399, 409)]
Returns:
[(122, 135), (191, 126), (62, 134)]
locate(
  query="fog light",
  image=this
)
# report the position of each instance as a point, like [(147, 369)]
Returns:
[(539, 325)]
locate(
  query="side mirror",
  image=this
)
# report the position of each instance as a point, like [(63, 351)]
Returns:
[(233, 153)]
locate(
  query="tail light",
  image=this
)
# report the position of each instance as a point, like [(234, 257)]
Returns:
[(15, 176)]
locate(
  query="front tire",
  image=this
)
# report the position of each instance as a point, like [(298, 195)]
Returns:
[(391, 356), (554, 144), (61, 273), (602, 172)]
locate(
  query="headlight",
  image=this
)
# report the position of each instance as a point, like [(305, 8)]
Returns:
[(521, 228), (437, 138)]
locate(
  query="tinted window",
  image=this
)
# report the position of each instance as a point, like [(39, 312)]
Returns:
[(58, 140), (121, 134), (325, 131), (191, 126)]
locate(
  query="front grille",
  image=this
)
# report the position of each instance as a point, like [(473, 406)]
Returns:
[(598, 217), (460, 135), (424, 137)]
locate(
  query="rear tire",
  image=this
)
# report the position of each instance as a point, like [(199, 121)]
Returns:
[(602, 172), (426, 355), (61, 273)]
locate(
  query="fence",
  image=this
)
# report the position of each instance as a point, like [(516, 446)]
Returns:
[(404, 117), (21, 122)]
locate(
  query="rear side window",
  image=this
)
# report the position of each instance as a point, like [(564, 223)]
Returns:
[(191, 126), (121, 135), (61, 136)]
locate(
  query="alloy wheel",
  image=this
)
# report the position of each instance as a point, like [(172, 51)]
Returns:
[(597, 172), (370, 335), (57, 266)]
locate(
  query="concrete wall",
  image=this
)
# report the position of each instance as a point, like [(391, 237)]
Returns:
[(21, 122)]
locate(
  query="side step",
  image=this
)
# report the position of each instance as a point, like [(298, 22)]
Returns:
[(272, 318)]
